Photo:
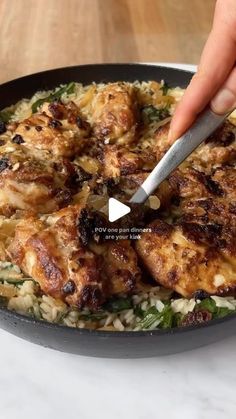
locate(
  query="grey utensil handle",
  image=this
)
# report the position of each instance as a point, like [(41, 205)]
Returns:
[(205, 124)]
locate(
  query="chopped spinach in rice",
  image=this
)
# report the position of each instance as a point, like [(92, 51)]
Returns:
[(61, 189), (145, 311)]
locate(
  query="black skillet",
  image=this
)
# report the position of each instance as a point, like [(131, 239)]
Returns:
[(91, 342)]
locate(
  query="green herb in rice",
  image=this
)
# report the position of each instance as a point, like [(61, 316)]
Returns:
[(11, 274), (121, 311), (151, 114), (56, 95), (6, 114), (115, 305), (152, 309), (165, 87), (209, 304)]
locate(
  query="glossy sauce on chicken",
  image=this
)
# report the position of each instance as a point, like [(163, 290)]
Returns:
[(60, 164)]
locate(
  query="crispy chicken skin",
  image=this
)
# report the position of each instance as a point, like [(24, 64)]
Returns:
[(225, 176), (161, 144), (206, 198), (209, 210), (185, 258), (27, 183), (121, 267), (35, 171), (57, 129), (119, 161), (191, 183), (57, 172), (213, 208), (115, 113), (224, 136), (52, 254), (218, 149), (120, 270)]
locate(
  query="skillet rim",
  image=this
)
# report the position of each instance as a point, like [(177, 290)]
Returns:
[(106, 333), (92, 65)]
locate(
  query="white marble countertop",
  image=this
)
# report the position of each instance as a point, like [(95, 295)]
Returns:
[(39, 383)]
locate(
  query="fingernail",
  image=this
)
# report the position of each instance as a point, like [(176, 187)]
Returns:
[(223, 101)]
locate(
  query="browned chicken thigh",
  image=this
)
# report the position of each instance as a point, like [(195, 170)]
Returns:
[(56, 128), (219, 149), (115, 113), (27, 183), (60, 166), (51, 252), (189, 258), (121, 268), (118, 161)]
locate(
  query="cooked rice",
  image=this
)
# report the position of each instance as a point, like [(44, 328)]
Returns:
[(24, 297), (26, 301)]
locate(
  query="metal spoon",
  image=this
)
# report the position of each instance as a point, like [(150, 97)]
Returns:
[(205, 125)]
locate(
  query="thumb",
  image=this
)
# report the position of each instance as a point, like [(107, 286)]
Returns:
[(225, 99)]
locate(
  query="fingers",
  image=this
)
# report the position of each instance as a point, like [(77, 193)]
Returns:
[(217, 61), (225, 99)]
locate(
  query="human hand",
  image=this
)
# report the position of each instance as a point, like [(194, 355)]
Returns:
[(215, 80)]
